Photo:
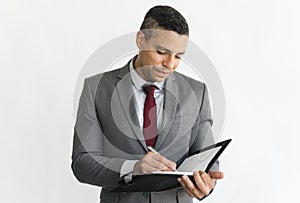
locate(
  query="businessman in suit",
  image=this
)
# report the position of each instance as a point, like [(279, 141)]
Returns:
[(145, 103)]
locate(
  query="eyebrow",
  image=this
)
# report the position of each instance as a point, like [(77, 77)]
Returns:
[(158, 47)]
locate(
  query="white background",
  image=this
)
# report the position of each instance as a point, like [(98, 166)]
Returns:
[(254, 46)]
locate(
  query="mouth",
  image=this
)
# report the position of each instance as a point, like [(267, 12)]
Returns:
[(163, 72)]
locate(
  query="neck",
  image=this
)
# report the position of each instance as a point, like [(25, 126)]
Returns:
[(136, 62), (137, 65)]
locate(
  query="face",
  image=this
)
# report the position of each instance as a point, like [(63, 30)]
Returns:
[(160, 55)]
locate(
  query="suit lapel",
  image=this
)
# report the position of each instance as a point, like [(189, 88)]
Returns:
[(126, 96), (125, 93), (169, 109)]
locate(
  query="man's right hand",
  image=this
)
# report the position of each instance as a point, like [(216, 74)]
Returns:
[(153, 162)]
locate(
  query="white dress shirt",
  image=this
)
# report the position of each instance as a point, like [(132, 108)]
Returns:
[(140, 96)]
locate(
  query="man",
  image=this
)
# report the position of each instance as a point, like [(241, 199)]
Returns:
[(145, 103)]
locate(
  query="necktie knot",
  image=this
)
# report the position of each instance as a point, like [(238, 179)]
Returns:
[(149, 89)]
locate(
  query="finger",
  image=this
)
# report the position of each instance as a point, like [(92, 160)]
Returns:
[(201, 184), (166, 162), (151, 169), (185, 188), (155, 165), (147, 165), (208, 181), (216, 174), (159, 166), (154, 161), (191, 187), (150, 153), (143, 167)]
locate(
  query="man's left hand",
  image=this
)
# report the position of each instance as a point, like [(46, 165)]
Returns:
[(205, 182)]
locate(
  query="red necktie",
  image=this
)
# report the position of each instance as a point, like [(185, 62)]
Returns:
[(150, 131)]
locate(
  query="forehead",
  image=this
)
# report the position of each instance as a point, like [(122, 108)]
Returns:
[(169, 40)]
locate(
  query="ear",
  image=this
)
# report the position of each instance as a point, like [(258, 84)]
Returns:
[(140, 39)]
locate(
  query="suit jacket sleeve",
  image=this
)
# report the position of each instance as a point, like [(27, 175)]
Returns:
[(89, 165)]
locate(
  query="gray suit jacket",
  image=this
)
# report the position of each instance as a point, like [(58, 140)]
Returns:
[(107, 131)]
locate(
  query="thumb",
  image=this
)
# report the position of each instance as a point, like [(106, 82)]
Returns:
[(216, 174)]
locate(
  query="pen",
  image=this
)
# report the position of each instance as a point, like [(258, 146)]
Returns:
[(153, 150)]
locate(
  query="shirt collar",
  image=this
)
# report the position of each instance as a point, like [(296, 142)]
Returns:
[(139, 82)]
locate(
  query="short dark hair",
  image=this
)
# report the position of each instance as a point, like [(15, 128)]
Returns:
[(166, 18)]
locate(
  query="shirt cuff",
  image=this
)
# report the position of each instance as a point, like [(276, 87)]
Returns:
[(127, 169)]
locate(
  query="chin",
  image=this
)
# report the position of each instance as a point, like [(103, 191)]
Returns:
[(160, 79)]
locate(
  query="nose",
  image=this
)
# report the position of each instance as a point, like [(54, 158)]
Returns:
[(169, 62)]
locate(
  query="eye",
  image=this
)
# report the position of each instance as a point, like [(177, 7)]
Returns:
[(178, 56), (160, 52)]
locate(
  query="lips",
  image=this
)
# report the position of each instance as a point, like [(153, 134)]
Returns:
[(163, 71)]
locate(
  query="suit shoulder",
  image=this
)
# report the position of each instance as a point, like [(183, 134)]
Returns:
[(108, 76), (110, 73), (190, 81)]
